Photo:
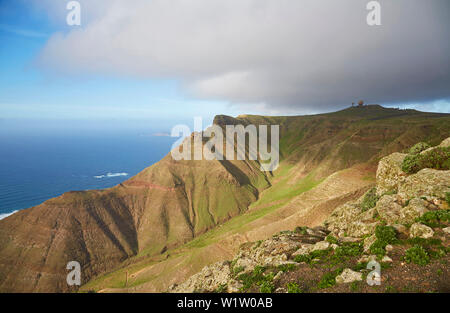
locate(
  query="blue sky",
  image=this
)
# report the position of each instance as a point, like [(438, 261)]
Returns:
[(163, 92), (28, 92)]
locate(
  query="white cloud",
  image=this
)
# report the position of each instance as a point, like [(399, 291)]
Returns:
[(286, 54)]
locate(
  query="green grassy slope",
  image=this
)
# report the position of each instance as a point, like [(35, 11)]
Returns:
[(180, 203)]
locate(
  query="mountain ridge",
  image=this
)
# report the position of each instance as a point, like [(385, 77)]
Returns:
[(172, 202)]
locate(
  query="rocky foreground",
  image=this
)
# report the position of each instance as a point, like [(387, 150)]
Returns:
[(402, 224)]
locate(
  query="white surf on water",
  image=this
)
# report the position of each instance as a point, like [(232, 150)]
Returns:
[(109, 175), (4, 215)]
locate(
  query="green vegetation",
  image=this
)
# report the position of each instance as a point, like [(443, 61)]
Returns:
[(348, 250), (370, 199), (238, 269), (432, 246), (267, 287), (286, 267), (419, 147), (390, 289), (301, 230), (424, 242), (360, 266), (222, 288), (438, 158), (293, 287), (417, 255), (257, 277), (329, 279), (435, 219), (309, 258), (385, 235), (447, 197), (354, 287), (331, 239)]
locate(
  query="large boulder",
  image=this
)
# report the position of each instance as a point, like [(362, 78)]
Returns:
[(348, 276), (339, 221), (273, 251), (209, 279), (421, 231), (389, 209), (359, 229), (416, 208), (389, 173), (425, 183)]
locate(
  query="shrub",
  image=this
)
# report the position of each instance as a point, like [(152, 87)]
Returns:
[(370, 199), (221, 289), (286, 267), (267, 287), (435, 218), (308, 258), (331, 239), (385, 235), (301, 230), (349, 249), (256, 277), (302, 258), (417, 255), (438, 158), (293, 287), (378, 248), (419, 147), (360, 266), (238, 269), (329, 279), (354, 286), (318, 254)]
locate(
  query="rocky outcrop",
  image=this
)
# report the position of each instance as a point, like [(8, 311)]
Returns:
[(389, 173), (211, 278), (348, 276), (430, 183), (420, 231), (400, 201)]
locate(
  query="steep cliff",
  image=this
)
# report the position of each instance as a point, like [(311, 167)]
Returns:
[(172, 202)]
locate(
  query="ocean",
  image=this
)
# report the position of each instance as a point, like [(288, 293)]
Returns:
[(37, 165)]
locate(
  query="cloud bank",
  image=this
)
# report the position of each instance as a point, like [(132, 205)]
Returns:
[(277, 54)]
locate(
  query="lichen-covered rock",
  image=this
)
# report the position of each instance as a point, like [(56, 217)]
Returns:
[(303, 250), (368, 242), (348, 276), (339, 221), (426, 182), (389, 209), (421, 231), (321, 245), (273, 251), (210, 278), (359, 229), (308, 248), (416, 208), (389, 173)]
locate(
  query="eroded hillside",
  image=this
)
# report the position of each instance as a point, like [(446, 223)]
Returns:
[(394, 238), (173, 218)]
